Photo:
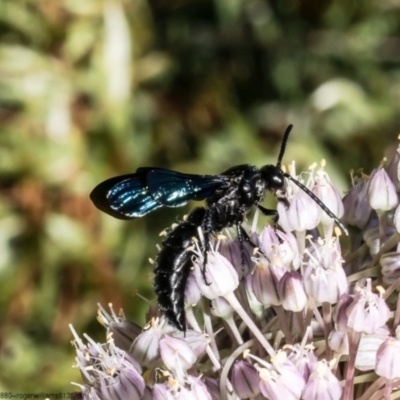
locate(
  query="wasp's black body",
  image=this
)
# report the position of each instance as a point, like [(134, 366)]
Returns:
[(172, 268), (244, 188), (229, 196)]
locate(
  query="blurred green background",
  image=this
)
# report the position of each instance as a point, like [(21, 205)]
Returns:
[(90, 89)]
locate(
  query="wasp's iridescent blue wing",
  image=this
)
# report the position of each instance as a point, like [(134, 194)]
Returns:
[(125, 196), (174, 189)]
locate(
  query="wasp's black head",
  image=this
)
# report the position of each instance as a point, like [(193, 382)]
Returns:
[(273, 177)]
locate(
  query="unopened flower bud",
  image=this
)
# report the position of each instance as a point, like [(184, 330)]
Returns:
[(198, 341), (340, 315), (264, 284), (291, 292), (382, 192), (256, 307), (301, 215), (338, 341), (245, 380), (328, 194), (146, 347), (388, 359), (221, 276), (232, 250), (176, 354), (394, 169), (212, 386), (192, 291), (357, 209), (128, 384)]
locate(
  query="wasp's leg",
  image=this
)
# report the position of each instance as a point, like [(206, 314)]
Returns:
[(208, 226), (269, 213), (244, 237), (266, 211)]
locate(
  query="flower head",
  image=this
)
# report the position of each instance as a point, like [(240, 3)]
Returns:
[(113, 373), (220, 276), (278, 314)]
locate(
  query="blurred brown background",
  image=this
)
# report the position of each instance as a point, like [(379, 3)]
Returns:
[(90, 89)]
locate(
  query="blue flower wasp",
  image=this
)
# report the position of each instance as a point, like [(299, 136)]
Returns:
[(229, 196)]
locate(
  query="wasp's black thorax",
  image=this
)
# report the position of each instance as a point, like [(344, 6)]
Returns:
[(228, 206)]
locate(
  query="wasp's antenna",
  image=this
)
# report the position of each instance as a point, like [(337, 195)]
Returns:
[(283, 146), (317, 200)]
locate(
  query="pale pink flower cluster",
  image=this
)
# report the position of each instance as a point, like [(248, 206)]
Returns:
[(299, 320)]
